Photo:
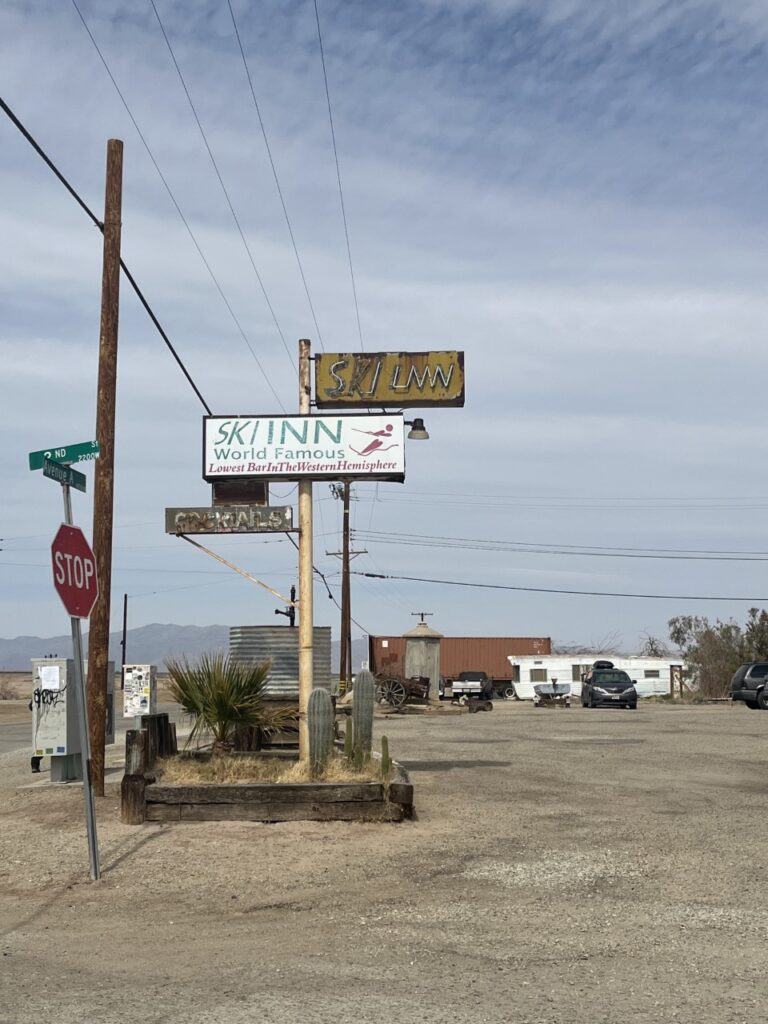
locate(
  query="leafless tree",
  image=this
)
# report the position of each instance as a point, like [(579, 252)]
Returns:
[(610, 644), (653, 647)]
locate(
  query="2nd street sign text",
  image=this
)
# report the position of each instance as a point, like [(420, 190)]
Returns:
[(83, 452)]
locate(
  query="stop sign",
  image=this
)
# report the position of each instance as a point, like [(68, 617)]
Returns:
[(74, 571)]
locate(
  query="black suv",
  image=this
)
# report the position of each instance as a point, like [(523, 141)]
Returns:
[(749, 684), (604, 684)]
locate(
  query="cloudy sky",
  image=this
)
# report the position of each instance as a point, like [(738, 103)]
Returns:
[(570, 191)]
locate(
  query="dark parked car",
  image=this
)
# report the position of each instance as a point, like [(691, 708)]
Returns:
[(749, 684), (606, 685)]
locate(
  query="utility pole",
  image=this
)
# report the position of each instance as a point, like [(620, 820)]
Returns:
[(345, 653), (103, 497), (124, 642), (306, 664)]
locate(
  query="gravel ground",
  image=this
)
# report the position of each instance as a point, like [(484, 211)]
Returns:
[(565, 867)]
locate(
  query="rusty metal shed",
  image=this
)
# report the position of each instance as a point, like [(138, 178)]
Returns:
[(459, 653)]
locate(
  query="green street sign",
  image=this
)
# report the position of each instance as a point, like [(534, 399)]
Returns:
[(64, 475), (83, 452)]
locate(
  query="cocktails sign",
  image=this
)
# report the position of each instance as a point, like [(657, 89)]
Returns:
[(230, 519), (305, 447)]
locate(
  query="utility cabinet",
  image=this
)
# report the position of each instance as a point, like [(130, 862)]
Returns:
[(54, 711), (55, 726)]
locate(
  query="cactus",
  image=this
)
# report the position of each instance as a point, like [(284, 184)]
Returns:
[(348, 741), (386, 760), (362, 711), (358, 757), (320, 719)]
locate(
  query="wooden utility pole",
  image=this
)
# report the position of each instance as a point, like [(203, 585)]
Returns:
[(98, 636), (346, 624), (124, 642), (306, 662), (343, 491)]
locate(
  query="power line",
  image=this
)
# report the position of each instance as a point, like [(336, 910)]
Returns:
[(548, 590), (223, 186), (274, 173), (599, 499), (398, 596), (520, 547), (178, 209), (338, 176), (581, 504), (314, 569), (34, 536), (352, 619), (151, 569), (190, 586), (147, 569), (129, 276)]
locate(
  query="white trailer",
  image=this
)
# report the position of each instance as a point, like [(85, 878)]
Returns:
[(652, 676)]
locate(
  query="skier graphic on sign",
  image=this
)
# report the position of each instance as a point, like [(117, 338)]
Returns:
[(379, 437)]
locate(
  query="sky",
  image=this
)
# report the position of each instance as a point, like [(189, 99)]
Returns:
[(568, 191)]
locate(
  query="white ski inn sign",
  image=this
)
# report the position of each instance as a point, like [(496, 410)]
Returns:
[(296, 447)]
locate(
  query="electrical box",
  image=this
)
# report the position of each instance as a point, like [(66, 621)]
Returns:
[(139, 690), (54, 708), (55, 724)]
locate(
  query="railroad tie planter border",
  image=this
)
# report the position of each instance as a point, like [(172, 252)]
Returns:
[(145, 799)]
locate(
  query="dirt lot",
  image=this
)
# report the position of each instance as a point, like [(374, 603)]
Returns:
[(566, 867)]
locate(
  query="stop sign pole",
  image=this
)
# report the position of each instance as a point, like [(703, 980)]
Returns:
[(78, 574)]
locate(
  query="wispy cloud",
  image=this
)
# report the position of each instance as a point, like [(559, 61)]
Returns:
[(570, 192)]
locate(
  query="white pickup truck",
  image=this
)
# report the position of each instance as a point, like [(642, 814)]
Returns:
[(467, 684)]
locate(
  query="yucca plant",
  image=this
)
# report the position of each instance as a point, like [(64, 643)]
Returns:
[(223, 696)]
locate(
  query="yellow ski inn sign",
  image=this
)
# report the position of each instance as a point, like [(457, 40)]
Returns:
[(400, 379)]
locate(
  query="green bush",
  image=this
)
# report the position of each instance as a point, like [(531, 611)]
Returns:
[(224, 696)]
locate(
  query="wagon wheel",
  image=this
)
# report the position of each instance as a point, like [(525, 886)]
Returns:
[(391, 690), (397, 694), (382, 690)]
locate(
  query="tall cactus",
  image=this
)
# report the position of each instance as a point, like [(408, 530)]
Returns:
[(362, 710), (320, 718)]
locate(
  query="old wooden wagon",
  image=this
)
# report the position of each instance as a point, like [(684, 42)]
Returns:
[(395, 691)]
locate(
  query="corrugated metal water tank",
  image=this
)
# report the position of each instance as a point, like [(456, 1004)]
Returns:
[(280, 644)]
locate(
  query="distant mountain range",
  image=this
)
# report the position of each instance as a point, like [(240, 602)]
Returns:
[(145, 645)]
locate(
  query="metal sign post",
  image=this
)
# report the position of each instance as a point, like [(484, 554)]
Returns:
[(82, 709)]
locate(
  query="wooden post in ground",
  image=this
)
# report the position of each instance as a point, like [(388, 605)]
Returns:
[(98, 637), (135, 752), (132, 801), (133, 805), (158, 733)]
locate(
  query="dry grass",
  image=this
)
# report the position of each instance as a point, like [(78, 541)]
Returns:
[(259, 769), (7, 690)]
